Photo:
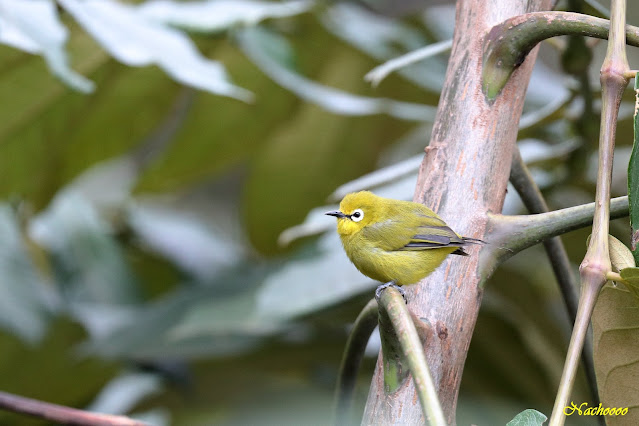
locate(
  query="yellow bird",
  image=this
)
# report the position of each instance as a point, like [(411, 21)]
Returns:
[(395, 241)]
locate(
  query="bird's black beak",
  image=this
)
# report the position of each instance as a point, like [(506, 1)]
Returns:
[(336, 213)]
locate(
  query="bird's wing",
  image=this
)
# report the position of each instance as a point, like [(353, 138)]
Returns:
[(429, 231), (412, 227), (433, 236)]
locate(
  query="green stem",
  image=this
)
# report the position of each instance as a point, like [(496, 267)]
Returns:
[(508, 43), (353, 353), (392, 302), (534, 201)]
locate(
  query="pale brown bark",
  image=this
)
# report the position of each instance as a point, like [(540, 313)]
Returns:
[(463, 176)]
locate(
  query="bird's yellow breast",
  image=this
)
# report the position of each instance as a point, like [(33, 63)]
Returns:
[(403, 267)]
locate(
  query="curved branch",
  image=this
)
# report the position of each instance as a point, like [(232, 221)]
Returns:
[(353, 352), (392, 303), (508, 43), (62, 414)]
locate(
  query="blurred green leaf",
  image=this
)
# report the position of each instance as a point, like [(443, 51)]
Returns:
[(306, 284), (101, 319), (528, 417), (106, 185), (34, 26), (26, 301), (138, 336), (216, 319), (125, 391), (254, 42), (384, 38), (615, 322), (234, 315), (87, 261), (48, 149), (218, 15), (199, 250), (133, 39), (218, 135), (633, 182)]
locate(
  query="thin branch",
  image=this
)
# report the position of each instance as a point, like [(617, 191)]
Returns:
[(353, 352), (393, 304), (380, 72), (508, 235), (62, 414), (534, 201)]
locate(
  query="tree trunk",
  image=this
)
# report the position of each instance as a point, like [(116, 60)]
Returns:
[(463, 176)]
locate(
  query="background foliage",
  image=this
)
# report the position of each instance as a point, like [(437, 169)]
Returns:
[(140, 266)]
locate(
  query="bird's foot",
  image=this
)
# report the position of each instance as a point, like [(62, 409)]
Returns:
[(381, 288)]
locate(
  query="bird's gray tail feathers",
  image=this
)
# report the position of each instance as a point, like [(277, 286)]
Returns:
[(467, 241)]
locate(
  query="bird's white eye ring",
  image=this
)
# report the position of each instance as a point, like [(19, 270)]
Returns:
[(357, 215)]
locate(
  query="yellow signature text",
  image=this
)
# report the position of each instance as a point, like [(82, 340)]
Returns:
[(583, 410)]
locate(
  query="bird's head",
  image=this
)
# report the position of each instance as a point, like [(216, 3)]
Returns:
[(356, 211)]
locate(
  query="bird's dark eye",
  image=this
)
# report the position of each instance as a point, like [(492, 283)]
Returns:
[(357, 215)]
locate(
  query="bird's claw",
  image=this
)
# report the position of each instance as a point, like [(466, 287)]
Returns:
[(381, 288)]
